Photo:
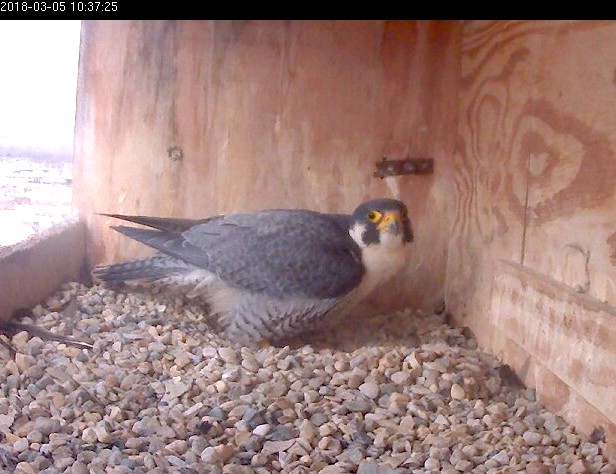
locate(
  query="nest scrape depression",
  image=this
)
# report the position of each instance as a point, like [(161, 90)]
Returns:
[(161, 392)]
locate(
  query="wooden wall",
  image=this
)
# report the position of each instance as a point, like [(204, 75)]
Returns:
[(532, 254), (193, 118)]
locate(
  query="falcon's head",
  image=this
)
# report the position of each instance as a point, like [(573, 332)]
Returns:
[(383, 222)]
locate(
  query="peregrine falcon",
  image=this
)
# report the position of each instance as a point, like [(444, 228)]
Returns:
[(271, 274)]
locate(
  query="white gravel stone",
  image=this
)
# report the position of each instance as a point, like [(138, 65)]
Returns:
[(262, 430), (401, 377), (457, 392), (333, 470), (502, 457), (25, 468), (221, 386), (250, 364), (532, 438), (464, 465), (79, 467), (89, 436), (209, 455), (369, 389), (228, 354), (35, 436), (578, 467), (174, 389), (24, 361), (21, 445)]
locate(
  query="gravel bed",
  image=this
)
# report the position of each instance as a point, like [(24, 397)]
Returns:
[(161, 392)]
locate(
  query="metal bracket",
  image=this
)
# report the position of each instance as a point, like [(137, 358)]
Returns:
[(387, 167)]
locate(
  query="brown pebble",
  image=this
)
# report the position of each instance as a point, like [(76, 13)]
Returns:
[(536, 467)]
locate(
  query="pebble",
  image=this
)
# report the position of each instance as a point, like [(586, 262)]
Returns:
[(271, 447), (369, 389), (457, 392), (161, 392), (536, 467), (400, 377), (502, 457), (209, 455), (532, 438), (178, 446), (319, 418), (24, 361), (221, 386), (21, 445), (333, 470), (174, 389), (368, 467), (47, 425), (228, 354), (25, 468), (250, 364), (89, 435), (464, 465), (578, 467), (35, 436), (79, 467), (262, 430), (283, 433), (355, 380), (359, 405)]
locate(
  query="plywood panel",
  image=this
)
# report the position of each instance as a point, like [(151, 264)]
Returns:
[(192, 118), (569, 338), (572, 160), (534, 185), (490, 179), (534, 176)]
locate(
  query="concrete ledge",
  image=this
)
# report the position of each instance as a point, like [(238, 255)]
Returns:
[(32, 270)]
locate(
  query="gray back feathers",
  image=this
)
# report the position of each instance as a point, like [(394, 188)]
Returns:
[(278, 253)]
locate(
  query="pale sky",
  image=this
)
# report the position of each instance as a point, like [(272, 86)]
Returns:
[(38, 81)]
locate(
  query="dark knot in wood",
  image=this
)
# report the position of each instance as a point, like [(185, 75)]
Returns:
[(175, 153)]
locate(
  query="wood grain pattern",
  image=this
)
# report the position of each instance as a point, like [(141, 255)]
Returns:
[(572, 173), (267, 114), (534, 185), (490, 185), (570, 340)]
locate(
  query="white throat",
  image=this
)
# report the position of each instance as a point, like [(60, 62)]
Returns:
[(382, 261)]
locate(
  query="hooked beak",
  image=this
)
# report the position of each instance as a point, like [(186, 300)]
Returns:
[(395, 223)]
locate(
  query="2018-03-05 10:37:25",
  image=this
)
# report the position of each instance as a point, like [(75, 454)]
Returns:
[(59, 6)]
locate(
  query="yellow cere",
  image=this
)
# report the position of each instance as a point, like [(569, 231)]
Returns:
[(388, 219)]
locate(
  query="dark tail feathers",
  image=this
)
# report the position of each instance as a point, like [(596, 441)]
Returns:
[(147, 269)]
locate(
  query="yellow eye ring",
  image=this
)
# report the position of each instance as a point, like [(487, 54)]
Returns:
[(374, 216)]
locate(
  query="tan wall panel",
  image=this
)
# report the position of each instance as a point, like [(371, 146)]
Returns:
[(570, 341), (490, 183), (534, 185), (571, 146)]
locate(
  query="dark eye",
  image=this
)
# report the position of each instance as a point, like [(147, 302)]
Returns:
[(374, 216)]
